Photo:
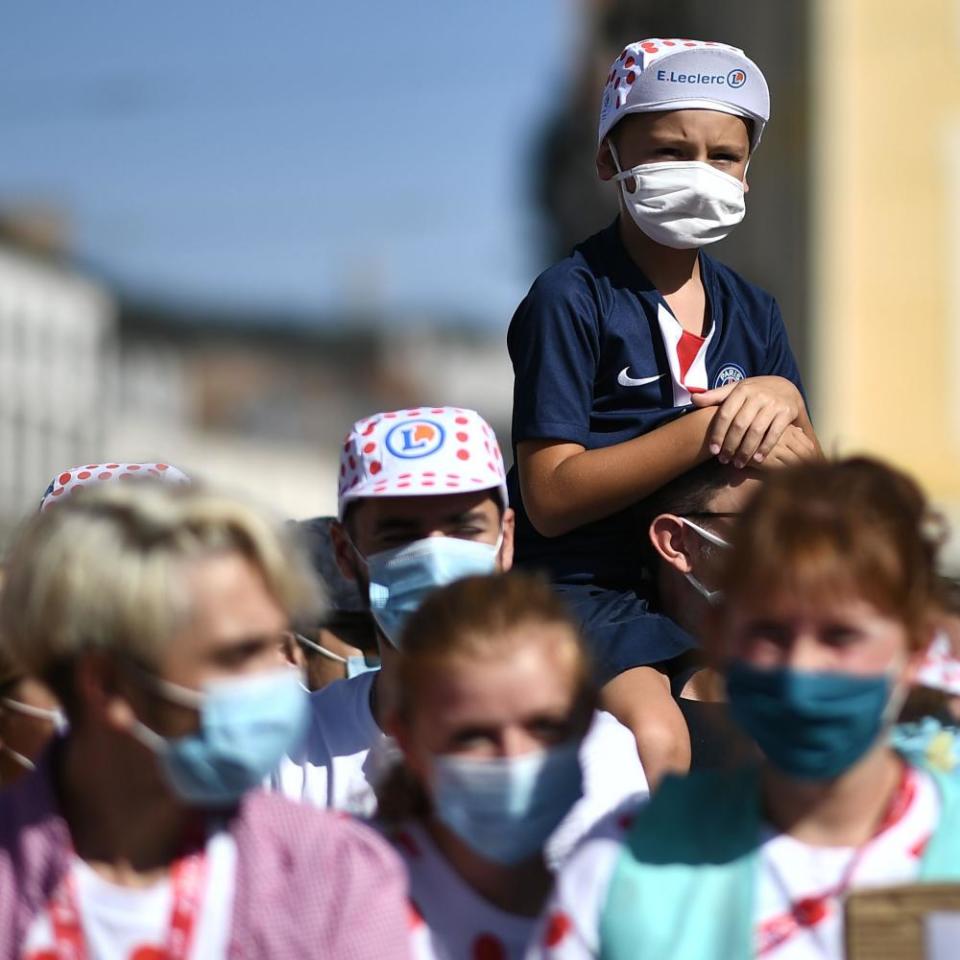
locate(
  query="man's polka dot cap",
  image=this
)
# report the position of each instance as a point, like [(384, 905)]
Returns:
[(656, 75), (417, 452), (69, 481)]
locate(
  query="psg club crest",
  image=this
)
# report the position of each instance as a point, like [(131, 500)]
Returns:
[(729, 373)]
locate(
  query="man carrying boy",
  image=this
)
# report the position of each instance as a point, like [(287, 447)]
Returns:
[(639, 356), (422, 503)]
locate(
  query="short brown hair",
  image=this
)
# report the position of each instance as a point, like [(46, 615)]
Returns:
[(836, 528)]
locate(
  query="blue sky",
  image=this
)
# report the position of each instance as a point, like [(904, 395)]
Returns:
[(298, 153)]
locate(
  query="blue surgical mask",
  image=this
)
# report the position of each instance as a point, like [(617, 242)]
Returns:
[(354, 665), (812, 726), (247, 724), (505, 808), (400, 579)]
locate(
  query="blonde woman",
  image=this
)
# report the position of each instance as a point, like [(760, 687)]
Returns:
[(159, 617)]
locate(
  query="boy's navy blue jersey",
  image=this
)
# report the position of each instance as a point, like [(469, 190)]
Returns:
[(591, 368)]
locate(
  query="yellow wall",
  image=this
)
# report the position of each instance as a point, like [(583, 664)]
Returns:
[(886, 233)]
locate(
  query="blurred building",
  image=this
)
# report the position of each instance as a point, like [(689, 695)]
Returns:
[(57, 332), (255, 402), (260, 402)]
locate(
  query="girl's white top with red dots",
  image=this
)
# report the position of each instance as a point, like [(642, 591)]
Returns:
[(449, 920), (800, 887), (420, 452), (69, 481)]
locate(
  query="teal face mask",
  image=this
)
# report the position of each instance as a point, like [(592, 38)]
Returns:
[(812, 726), (505, 808), (401, 578)]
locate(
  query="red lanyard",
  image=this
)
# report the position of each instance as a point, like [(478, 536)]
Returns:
[(809, 911), (187, 879)]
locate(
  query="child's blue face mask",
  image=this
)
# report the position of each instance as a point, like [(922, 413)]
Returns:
[(505, 808), (400, 579)]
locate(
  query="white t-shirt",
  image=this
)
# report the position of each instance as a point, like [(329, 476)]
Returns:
[(123, 923), (794, 880), (450, 920), (345, 754)]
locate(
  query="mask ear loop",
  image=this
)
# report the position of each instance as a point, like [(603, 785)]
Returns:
[(317, 648), (707, 535), (19, 758), (53, 716)]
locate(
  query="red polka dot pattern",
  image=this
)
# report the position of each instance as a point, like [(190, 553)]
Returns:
[(415, 917), (148, 952), (383, 456), (558, 926), (94, 473), (810, 911), (488, 947)]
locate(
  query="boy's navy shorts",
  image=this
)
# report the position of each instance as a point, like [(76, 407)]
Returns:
[(622, 632)]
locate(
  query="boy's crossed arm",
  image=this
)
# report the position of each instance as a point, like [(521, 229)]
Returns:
[(761, 420)]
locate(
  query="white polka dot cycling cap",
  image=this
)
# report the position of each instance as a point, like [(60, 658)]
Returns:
[(69, 481), (428, 450), (656, 75)]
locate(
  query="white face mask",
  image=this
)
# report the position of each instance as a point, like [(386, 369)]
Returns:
[(681, 204), (711, 596)]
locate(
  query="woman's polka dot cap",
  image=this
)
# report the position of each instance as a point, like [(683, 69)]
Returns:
[(656, 75), (417, 452), (69, 481)]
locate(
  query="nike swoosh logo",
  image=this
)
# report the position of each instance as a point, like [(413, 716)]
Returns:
[(627, 381)]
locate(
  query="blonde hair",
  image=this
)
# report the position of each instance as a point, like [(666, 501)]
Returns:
[(105, 570)]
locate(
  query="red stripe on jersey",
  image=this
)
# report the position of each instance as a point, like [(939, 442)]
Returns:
[(687, 350)]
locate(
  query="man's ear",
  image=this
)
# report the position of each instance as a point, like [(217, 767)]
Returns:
[(668, 536), (506, 548), (343, 551)]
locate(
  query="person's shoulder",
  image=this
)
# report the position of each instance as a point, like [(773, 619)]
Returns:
[(575, 276), (754, 299), (296, 826), (342, 709), (335, 696)]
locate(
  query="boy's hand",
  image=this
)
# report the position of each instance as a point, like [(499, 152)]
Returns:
[(793, 447), (752, 416)]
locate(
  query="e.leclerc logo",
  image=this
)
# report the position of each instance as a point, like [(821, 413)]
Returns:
[(729, 373), (735, 78), (415, 438)]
